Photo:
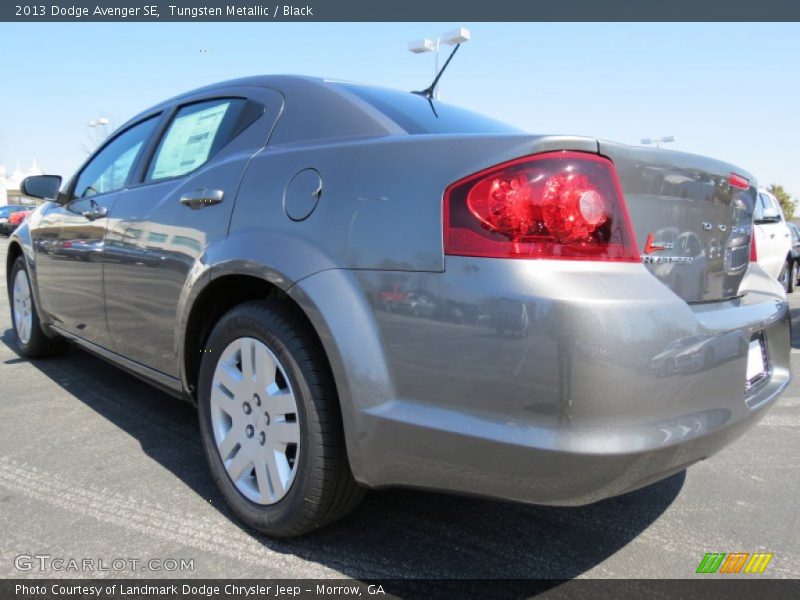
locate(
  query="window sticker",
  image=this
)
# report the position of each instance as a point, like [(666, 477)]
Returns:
[(188, 142)]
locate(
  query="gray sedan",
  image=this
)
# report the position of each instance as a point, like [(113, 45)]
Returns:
[(360, 287)]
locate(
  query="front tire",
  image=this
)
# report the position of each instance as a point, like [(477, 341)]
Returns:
[(792, 278), (31, 339), (270, 422)]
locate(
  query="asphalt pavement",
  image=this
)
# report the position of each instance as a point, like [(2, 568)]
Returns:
[(95, 464)]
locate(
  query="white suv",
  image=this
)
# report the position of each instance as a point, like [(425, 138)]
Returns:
[(773, 238)]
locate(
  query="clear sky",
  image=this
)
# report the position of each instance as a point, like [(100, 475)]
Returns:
[(731, 91)]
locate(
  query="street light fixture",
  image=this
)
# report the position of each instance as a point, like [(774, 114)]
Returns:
[(658, 141), (98, 136), (451, 38)]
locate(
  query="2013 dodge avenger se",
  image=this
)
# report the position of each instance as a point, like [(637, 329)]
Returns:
[(361, 287)]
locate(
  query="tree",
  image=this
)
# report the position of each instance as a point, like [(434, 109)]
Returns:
[(787, 204)]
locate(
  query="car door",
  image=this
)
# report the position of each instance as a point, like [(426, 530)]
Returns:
[(783, 235), (765, 235), (181, 206), (68, 242), (772, 235)]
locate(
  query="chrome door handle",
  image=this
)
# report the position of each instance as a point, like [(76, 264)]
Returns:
[(96, 212), (201, 198)]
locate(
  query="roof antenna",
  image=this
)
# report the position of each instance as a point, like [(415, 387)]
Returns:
[(429, 91)]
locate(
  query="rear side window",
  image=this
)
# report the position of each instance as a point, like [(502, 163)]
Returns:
[(416, 114), (196, 133)]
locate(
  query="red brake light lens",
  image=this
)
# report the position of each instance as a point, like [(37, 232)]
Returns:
[(557, 205), (753, 249), (738, 181)]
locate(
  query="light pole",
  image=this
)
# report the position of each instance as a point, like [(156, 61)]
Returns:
[(99, 133), (451, 38), (97, 137), (658, 141)]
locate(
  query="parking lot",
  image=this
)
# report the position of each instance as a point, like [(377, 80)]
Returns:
[(96, 464)]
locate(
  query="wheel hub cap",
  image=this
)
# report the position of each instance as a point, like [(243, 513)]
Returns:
[(23, 307), (255, 421)]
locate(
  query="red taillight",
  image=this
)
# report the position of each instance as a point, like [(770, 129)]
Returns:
[(753, 250), (562, 205), (738, 181)]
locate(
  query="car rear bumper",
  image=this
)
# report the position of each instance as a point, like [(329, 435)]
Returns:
[(604, 382)]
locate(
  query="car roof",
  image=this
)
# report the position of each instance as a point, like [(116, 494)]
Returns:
[(313, 109), (276, 82), (302, 96)]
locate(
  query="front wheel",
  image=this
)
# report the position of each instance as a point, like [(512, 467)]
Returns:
[(270, 422), (792, 278), (31, 338)]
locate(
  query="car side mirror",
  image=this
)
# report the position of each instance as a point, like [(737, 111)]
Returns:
[(770, 215), (41, 186)]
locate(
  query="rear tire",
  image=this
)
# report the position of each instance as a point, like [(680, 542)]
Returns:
[(282, 410), (784, 277), (31, 338)]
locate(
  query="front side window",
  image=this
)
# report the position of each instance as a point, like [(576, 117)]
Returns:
[(196, 133), (109, 169), (776, 206), (762, 202)]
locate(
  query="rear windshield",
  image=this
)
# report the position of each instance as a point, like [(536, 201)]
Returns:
[(417, 115)]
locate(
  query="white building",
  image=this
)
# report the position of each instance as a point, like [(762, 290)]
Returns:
[(9, 184)]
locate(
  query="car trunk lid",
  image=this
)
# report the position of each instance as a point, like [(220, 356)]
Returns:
[(692, 219)]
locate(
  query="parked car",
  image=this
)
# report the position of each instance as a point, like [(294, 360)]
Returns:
[(11, 216), (79, 249), (773, 239), (16, 218), (509, 316), (286, 206), (412, 303), (795, 269)]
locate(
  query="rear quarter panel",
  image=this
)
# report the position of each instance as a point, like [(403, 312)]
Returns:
[(381, 200)]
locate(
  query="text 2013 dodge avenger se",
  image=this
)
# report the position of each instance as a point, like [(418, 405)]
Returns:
[(362, 287)]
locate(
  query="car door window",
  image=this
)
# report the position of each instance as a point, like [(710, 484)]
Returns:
[(763, 203), (197, 132), (108, 171), (776, 206)]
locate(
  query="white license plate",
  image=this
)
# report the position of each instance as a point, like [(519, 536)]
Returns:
[(756, 367)]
